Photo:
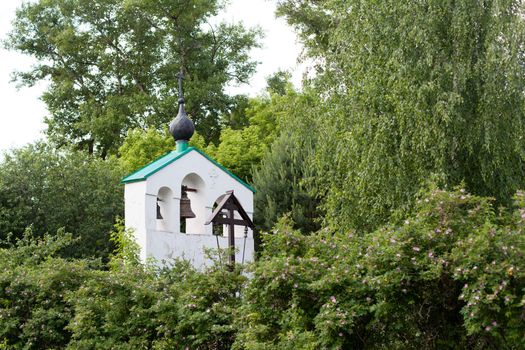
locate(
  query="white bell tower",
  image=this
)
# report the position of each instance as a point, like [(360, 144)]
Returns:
[(186, 179)]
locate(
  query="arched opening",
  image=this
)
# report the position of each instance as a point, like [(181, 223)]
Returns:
[(164, 209), (194, 187)]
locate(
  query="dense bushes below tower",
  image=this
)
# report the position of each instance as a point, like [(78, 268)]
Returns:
[(451, 275)]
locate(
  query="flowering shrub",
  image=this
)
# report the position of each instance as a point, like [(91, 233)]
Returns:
[(451, 275), (33, 286), (134, 308)]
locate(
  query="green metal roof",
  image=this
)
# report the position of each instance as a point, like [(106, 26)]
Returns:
[(168, 158)]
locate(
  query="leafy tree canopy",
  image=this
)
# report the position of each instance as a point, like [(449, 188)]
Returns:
[(112, 65), (143, 146), (413, 90), (284, 178), (49, 189), (246, 136)]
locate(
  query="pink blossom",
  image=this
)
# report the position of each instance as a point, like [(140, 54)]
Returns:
[(417, 249), (333, 299)]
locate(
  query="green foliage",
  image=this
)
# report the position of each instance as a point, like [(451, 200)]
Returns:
[(448, 277), (236, 118), (112, 65), (279, 82), (177, 308), (405, 91), (49, 189), (242, 150), (412, 89), (283, 179), (47, 302), (127, 249), (248, 131), (33, 286), (143, 146), (451, 276), (112, 310), (205, 313)]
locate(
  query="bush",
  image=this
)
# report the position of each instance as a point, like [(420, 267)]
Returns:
[(33, 288), (451, 276)]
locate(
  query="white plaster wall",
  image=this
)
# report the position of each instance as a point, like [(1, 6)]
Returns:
[(166, 244), (216, 182), (135, 213), (166, 247)]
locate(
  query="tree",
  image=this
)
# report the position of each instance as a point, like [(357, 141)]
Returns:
[(112, 65), (279, 82), (414, 90), (246, 135), (284, 178), (241, 150), (143, 146), (49, 189)]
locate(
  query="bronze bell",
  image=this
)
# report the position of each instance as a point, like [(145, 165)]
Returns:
[(185, 207)]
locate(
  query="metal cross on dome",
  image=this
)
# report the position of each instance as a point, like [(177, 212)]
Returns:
[(180, 78)]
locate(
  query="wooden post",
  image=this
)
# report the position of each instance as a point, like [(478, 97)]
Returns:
[(231, 238), (230, 204)]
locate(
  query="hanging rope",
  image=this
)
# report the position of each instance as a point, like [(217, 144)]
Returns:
[(244, 247)]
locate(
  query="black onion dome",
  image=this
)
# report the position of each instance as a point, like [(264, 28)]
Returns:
[(182, 128)]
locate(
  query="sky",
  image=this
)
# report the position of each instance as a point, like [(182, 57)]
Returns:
[(22, 112)]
